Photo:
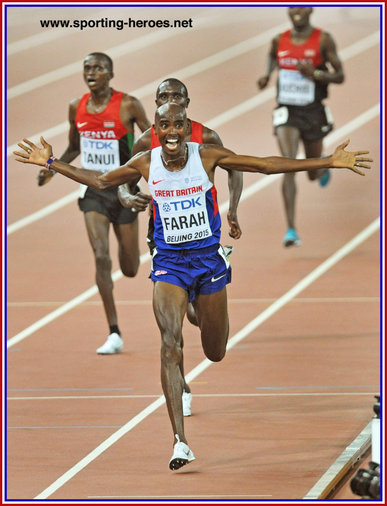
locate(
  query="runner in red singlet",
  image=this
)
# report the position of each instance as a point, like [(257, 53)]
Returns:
[(301, 55), (102, 131)]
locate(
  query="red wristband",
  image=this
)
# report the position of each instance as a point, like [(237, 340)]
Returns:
[(49, 161)]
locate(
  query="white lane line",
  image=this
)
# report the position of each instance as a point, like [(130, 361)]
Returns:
[(88, 397), (311, 300), (218, 120), (196, 496), (65, 308), (359, 121), (221, 119), (49, 35), (183, 73), (248, 192), (47, 134), (141, 42), (293, 292), (91, 291), (43, 212), (362, 45), (100, 449), (44, 37), (207, 63), (239, 336)]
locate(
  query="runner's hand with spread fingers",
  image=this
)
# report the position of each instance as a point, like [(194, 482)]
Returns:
[(342, 159), (33, 154)]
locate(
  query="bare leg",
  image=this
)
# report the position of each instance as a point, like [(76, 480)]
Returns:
[(97, 226), (313, 149), (288, 138), (169, 306), (186, 387), (128, 248), (191, 315), (212, 315)]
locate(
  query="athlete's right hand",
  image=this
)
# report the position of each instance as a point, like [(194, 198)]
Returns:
[(45, 176), (140, 201)]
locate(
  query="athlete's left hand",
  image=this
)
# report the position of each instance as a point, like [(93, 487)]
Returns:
[(352, 160)]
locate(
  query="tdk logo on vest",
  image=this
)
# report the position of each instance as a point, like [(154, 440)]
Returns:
[(106, 145), (182, 205)]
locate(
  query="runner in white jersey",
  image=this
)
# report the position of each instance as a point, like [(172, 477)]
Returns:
[(185, 205), (195, 269)]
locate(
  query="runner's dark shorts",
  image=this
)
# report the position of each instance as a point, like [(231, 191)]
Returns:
[(106, 202), (198, 271), (314, 121)]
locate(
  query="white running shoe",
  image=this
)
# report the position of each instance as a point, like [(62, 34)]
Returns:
[(187, 399), (113, 344), (182, 455)]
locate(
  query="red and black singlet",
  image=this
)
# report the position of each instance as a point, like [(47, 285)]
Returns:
[(106, 143), (293, 87)]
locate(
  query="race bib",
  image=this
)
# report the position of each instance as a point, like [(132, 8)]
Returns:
[(185, 220), (100, 154), (294, 88), (280, 116), (328, 115), (82, 191)]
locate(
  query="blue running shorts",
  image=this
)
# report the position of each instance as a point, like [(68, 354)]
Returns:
[(198, 271)]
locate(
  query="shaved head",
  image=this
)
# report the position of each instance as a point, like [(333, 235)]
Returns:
[(102, 56), (172, 81), (170, 110)]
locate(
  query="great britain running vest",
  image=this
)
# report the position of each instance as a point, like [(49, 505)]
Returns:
[(196, 134), (185, 208), (293, 88), (105, 141)]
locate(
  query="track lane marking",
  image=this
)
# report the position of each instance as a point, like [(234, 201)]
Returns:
[(207, 63), (247, 192), (156, 396), (145, 41), (370, 114), (142, 302), (202, 366)]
